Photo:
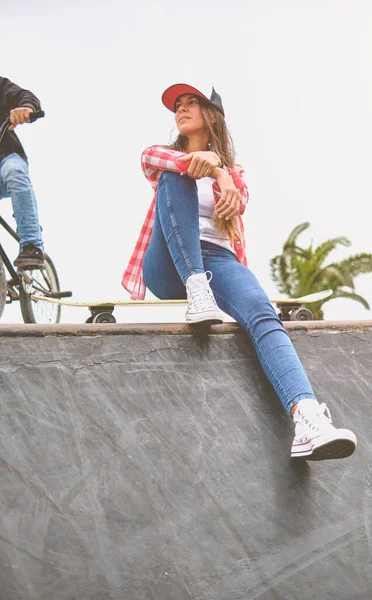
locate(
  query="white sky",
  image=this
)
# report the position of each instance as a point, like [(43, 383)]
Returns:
[(296, 82)]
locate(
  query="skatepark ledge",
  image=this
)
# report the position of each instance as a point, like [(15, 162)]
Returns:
[(164, 328)]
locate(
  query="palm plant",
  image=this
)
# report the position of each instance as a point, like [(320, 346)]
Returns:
[(300, 271)]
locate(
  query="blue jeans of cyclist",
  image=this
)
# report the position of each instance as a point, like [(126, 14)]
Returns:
[(16, 184), (175, 252)]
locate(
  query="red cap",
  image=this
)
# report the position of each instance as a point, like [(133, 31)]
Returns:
[(171, 94)]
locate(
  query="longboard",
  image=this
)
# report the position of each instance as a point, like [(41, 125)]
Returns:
[(101, 312)]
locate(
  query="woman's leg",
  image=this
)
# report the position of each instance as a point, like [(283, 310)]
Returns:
[(173, 259), (159, 273), (177, 214), (239, 294)]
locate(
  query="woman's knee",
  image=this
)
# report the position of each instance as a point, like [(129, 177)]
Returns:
[(254, 307), (257, 298), (173, 180)]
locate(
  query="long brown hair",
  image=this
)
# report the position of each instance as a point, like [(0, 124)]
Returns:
[(220, 142)]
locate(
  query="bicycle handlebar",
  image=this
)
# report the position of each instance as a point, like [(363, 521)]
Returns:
[(36, 114)]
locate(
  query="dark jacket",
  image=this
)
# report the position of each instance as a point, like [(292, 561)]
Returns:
[(12, 96)]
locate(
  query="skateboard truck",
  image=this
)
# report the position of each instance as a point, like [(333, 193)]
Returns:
[(101, 314), (292, 312)]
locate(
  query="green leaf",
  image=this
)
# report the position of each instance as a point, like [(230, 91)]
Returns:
[(300, 271), (357, 264), (350, 295), (295, 233), (322, 251)]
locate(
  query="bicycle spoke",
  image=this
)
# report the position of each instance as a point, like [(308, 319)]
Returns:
[(40, 282)]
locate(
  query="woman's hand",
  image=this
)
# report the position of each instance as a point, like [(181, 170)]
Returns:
[(229, 203), (202, 163)]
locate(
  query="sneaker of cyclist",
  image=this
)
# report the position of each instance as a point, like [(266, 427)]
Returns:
[(17, 103)]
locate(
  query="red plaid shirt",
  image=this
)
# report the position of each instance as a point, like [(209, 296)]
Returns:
[(155, 160)]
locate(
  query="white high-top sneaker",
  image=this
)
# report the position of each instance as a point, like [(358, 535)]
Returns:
[(202, 305), (315, 436)]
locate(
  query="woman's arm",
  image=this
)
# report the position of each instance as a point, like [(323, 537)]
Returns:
[(156, 159), (237, 176), (201, 163), (230, 191)]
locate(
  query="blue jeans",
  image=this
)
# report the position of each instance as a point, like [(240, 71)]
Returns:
[(16, 184), (175, 252)]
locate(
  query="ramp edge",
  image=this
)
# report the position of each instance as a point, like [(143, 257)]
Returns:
[(85, 329)]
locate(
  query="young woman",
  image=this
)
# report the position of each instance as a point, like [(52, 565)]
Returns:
[(192, 246)]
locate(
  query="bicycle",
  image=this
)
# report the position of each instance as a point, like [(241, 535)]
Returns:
[(23, 285)]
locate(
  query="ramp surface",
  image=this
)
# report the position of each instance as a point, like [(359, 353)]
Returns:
[(140, 466)]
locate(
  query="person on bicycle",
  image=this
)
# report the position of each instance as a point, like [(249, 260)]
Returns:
[(17, 103), (192, 246)]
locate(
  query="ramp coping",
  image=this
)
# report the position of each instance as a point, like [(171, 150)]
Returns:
[(88, 329)]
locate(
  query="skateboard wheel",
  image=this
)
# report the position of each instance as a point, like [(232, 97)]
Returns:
[(302, 314), (104, 317)]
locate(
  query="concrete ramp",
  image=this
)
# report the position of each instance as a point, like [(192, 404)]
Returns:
[(153, 464)]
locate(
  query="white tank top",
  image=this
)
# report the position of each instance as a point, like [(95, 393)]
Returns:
[(207, 224)]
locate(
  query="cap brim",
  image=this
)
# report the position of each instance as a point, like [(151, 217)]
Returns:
[(171, 94)]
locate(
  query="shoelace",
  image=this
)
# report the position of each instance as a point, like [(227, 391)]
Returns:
[(319, 419), (202, 299)]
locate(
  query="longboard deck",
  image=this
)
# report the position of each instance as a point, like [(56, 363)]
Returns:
[(310, 298)]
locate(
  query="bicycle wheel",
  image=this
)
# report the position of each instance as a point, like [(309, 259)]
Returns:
[(40, 282), (2, 288)]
